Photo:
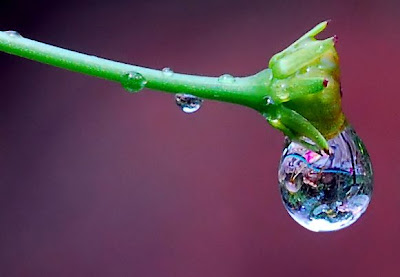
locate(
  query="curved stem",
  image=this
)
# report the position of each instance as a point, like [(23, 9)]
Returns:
[(242, 90)]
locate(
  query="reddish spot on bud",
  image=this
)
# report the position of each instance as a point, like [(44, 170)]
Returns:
[(328, 21), (335, 39), (325, 83), (325, 152), (341, 92)]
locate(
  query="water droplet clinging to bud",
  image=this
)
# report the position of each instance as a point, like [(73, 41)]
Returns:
[(326, 192)]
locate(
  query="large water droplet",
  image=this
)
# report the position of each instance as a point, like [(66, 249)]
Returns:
[(226, 78), (168, 72), (133, 81), (13, 34), (188, 103), (326, 192)]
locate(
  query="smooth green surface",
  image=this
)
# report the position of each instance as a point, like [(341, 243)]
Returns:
[(245, 91), (299, 94)]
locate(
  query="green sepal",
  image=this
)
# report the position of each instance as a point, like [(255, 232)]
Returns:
[(310, 35), (297, 87), (305, 55), (304, 91), (296, 127)]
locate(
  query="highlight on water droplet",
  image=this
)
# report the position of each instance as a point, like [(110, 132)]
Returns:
[(133, 81), (188, 103), (226, 78), (168, 72), (326, 192), (13, 34), (269, 101)]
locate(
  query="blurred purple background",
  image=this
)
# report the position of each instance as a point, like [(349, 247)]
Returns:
[(97, 182)]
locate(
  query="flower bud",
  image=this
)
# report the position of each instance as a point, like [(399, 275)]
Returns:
[(305, 89)]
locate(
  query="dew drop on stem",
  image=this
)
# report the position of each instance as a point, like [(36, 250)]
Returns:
[(188, 103), (326, 192), (167, 72), (133, 82), (226, 78), (269, 101), (13, 34)]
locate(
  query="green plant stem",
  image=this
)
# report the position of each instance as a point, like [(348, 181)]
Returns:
[(299, 94), (242, 90)]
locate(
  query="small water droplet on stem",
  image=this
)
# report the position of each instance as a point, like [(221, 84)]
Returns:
[(168, 72), (13, 34), (269, 101), (133, 82), (226, 78), (188, 103)]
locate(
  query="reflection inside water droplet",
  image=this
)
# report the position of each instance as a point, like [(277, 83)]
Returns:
[(133, 81), (326, 192), (188, 103)]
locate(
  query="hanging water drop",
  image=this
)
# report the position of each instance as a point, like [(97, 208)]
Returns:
[(188, 103), (326, 192), (133, 81), (167, 72), (13, 34), (226, 78)]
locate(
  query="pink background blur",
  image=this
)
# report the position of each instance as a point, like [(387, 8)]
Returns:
[(97, 182)]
